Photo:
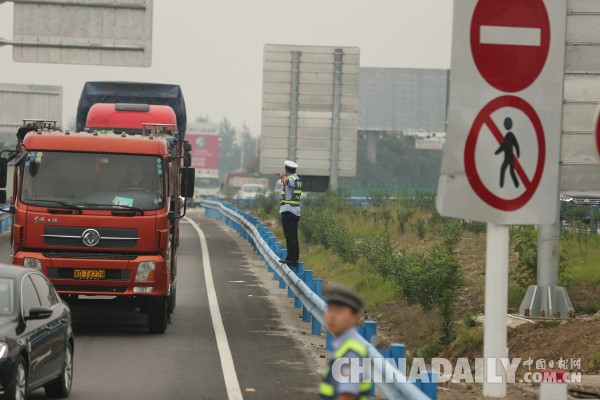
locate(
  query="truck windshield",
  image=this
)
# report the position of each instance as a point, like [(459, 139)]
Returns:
[(203, 182), (93, 180)]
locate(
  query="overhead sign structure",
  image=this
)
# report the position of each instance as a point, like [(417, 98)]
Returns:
[(501, 156), (20, 102), (402, 99), (96, 32), (579, 159), (310, 98)]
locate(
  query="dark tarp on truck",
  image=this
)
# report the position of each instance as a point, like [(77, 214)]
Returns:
[(132, 92)]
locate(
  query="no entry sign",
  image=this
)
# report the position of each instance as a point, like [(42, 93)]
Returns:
[(501, 157), (510, 41)]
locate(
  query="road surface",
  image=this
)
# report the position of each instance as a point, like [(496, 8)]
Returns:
[(115, 357)]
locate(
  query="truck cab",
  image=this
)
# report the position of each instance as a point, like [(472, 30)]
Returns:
[(97, 212)]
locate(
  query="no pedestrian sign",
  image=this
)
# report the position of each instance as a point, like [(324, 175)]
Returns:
[(501, 158)]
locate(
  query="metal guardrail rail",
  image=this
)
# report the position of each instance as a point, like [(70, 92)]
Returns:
[(307, 293)]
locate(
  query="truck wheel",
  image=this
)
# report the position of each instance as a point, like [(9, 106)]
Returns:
[(158, 315), (173, 300)]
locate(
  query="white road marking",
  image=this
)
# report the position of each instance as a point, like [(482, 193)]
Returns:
[(231, 381), (508, 35)]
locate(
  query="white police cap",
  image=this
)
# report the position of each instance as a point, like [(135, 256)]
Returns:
[(291, 164)]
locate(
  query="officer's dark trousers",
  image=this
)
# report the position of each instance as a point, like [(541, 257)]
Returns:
[(289, 222)]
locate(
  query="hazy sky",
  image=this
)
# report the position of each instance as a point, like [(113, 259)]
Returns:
[(214, 48)]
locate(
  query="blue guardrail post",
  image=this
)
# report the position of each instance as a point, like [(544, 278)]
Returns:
[(308, 280), (429, 385), (317, 287)]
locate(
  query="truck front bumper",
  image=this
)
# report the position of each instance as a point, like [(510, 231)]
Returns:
[(113, 275)]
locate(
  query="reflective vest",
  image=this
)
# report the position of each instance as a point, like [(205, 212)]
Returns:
[(328, 386), (295, 200)]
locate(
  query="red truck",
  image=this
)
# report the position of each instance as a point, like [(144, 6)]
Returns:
[(98, 211)]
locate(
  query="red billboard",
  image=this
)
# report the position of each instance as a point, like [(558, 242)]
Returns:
[(205, 150)]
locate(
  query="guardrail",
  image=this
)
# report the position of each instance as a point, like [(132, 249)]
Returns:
[(307, 292)]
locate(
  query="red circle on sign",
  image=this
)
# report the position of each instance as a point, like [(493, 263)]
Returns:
[(475, 181), (598, 134), (510, 40)]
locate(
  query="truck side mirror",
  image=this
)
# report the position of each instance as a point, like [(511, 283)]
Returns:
[(187, 146), (188, 181), (2, 197), (3, 172), (187, 159)]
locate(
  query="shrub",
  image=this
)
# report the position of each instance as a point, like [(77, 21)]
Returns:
[(378, 255), (476, 228), (451, 233), (379, 198), (420, 227), (429, 348), (590, 307), (403, 216), (525, 239), (583, 222), (469, 320)]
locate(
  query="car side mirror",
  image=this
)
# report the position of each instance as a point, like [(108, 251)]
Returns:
[(188, 181), (187, 146), (3, 172), (39, 313)]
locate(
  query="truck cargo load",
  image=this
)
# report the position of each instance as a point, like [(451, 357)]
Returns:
[(135, 93)]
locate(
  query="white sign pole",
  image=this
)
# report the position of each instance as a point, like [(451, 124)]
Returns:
[(496, 302)]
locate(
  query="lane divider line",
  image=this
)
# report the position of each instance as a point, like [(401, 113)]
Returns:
[(231, 381)]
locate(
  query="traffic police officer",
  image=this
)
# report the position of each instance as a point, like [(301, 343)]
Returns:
[(341, 318), (290, 210)]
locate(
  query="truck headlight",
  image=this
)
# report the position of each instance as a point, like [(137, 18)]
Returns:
[(32, 263), (145, 271), (3, 350)]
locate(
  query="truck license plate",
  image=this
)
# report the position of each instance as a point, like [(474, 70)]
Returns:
[(89, 274)]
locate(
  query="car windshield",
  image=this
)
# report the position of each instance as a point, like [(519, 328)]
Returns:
[(207, 183), (93, 180), (7, 297), (252, 188)]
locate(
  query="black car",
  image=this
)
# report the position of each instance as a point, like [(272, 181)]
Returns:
[(36, 336)]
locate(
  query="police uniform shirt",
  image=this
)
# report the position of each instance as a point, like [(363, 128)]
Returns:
[(350, 388), (289, 194)]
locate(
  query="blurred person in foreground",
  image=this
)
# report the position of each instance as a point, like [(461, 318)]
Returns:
[(342, 317)]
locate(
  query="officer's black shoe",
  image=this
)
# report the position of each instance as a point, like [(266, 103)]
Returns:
[(289, 262)]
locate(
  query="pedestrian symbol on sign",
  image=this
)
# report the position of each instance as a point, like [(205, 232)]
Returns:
[(509, 142)]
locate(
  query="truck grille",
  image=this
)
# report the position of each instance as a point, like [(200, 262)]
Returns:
[(89, 256), (70, 236)]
